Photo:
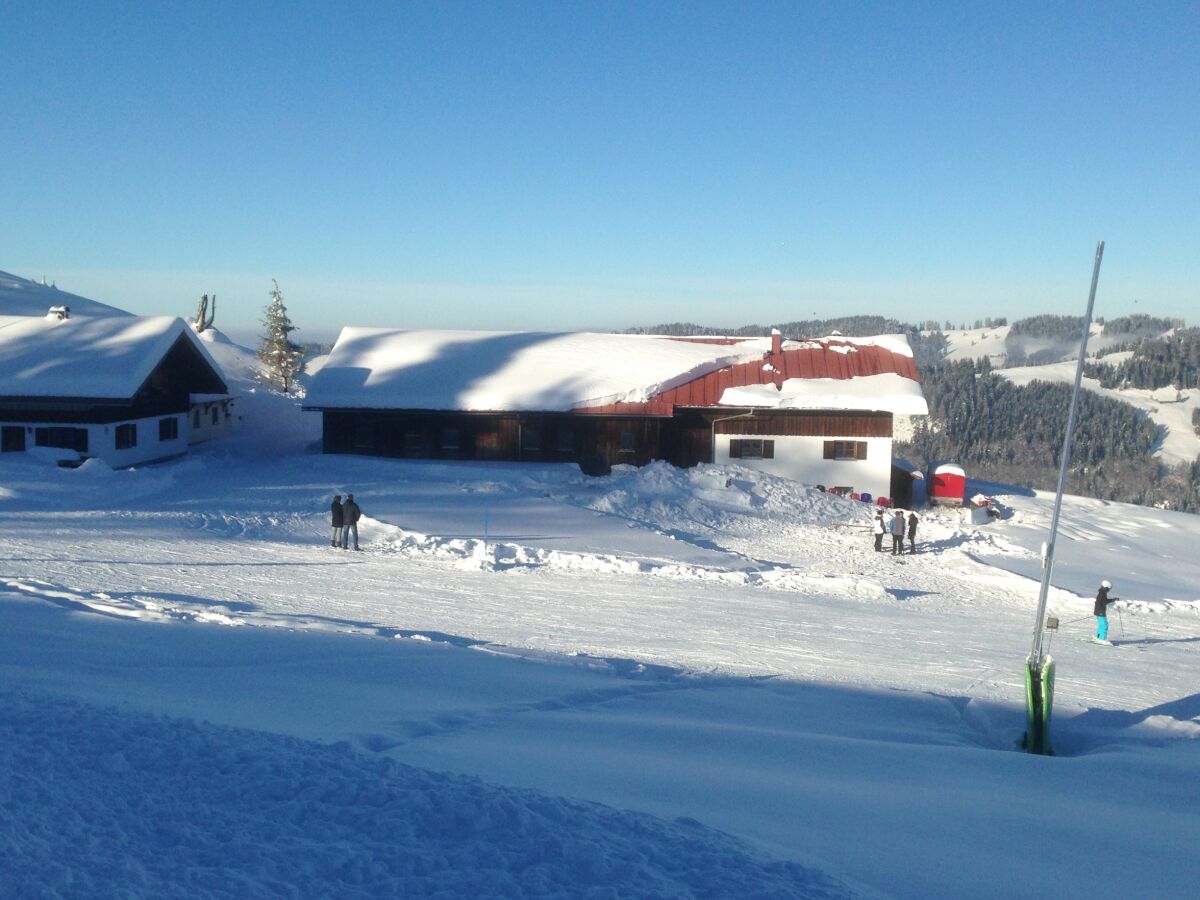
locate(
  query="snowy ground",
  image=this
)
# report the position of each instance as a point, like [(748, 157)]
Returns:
[(534, 683)]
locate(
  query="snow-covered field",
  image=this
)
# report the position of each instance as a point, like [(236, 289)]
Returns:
[(532, 683), (993, 342)]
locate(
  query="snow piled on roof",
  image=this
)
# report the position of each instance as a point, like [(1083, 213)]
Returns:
[(379, 368), (894, 343), (887, 392), (97, 357), (22, 297), (376, 368)]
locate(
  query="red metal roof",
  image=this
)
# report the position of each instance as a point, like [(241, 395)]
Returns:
[(815, 359)]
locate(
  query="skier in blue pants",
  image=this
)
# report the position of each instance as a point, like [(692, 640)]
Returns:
[(1101, 611)]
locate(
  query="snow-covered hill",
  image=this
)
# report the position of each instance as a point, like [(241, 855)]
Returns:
[(1178, 441), (22, 297), (655, 674), (997, 344)]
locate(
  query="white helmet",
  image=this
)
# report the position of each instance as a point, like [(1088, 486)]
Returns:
[(1106, 584)]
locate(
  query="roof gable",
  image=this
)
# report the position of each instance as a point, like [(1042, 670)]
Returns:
[(107, 357)]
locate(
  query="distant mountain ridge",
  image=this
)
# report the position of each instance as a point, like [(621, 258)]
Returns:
[(22, 297)]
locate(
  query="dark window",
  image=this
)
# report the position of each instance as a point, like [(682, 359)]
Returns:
[(531, 440), (627, 445), (566, 440), (12, 439), (414, 441), (216, 415), (126, 436), (195, 418), (451, 439), (63, 438), (364, 437), (168, 429), (845, 449), (751, 448)]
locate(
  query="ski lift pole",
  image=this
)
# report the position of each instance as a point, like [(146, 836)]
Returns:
[(1039, 668)]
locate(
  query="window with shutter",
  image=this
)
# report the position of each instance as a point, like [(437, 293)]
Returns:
[(846, 450)]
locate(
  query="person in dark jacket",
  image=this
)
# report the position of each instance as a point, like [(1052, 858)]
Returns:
[(350, 516), (335, 517), (1101, 611), (912, 531)]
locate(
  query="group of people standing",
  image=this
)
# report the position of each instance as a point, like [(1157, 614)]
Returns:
[(344, 515), (896, 525)]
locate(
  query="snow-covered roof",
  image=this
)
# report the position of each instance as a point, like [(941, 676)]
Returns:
[(948, 468), (375, 368), (22, 297), (886, 392), (97, 357)]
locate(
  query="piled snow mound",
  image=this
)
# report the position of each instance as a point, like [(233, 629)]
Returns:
[(712, 497), (101, 802), (241, 366), (268, 425), (501, 556)]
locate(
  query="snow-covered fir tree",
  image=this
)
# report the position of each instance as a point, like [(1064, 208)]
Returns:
[(282, 357)]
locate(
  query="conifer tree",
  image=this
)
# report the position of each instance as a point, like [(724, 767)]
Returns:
[(282, 357)]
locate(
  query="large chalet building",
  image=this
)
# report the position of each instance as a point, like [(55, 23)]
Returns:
[(124, 389), (818, 411)]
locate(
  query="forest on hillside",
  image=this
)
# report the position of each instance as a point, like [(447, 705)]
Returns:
[(1170, 361), (853, 326), (1013, 434)]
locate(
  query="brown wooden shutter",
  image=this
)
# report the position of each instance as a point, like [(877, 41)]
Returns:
[(861, 450), (735, 449), (768, 449), (829, 451)]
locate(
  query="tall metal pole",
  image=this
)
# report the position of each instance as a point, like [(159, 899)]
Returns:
[(1036, 654)]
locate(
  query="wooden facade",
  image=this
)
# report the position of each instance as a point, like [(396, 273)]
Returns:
[(595, 441)]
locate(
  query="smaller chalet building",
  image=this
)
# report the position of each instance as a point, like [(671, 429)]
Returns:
[(124, 389), (818, 411)]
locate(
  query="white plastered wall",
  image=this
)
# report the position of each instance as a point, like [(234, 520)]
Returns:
[(200, 424), (102, 440), (802, 459)]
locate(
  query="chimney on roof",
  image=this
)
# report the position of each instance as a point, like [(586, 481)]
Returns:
[(59, 312), (776, 342)]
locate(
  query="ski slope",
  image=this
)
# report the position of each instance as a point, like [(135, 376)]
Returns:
[(532, 683)]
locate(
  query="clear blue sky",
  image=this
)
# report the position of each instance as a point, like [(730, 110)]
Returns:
[(599, 165)]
